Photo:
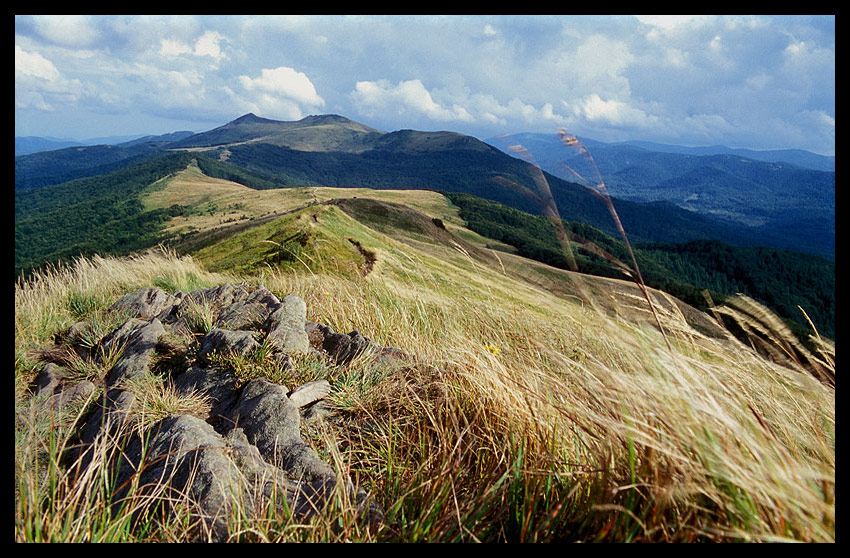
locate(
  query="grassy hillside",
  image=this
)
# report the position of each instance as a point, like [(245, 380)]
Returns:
[(785, 281), (544, 405), (176, 200)]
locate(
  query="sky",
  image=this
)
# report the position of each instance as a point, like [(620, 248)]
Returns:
[(759, 82)]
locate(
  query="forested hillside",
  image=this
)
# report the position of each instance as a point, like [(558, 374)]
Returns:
[(780, 279), (100, 214)]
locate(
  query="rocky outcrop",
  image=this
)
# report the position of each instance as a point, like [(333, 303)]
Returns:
[(247, 452)]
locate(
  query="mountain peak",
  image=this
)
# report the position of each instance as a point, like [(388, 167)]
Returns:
[(250, 118)]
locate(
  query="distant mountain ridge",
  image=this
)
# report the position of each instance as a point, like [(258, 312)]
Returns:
[(799, 157), (762, 195), (329, 132)]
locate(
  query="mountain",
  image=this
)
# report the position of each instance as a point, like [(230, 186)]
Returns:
[(766, 197), (313, 133), (160, 139), (61, 165), (331, 150), (797, 157), (25, 145)]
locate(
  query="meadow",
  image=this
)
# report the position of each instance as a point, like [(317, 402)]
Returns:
[(545, 409)]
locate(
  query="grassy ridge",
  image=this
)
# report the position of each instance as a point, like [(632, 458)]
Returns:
[(782, 280)]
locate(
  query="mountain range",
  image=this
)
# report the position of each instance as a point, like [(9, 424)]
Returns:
[(771, 193), (97, 199), (660, 195)]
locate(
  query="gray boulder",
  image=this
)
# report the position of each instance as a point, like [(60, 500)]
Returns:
[(286, 326), (224, 342), (145, 303), (63, 398), (137, 355), (272, 422), (248, 452)]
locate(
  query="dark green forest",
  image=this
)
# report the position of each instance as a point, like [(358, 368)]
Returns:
[(101, 214), (62, 165), (780, 279)]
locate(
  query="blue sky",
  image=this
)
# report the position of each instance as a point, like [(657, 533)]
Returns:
[(761, 82)]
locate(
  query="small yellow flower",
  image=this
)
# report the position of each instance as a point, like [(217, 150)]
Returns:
[(493, 348)]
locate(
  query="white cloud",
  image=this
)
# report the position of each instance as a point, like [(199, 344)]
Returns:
[(170, 47), (613, 112), (280, 92), (669, 21), (68, 30), (407, 96), (205, 45), (40, 85), (286, 82), (34, 64)]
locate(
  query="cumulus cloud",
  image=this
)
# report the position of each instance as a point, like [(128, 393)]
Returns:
[(614, 112), (67, 30), (40, 85), (409, 96), (282, 92), (207, 44), (286, 82), (34, 64), (669, 21)]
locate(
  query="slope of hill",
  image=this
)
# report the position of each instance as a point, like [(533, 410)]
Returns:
[(24, 145), (536, 405), (57, 165)]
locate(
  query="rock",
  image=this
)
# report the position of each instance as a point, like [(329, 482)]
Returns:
[(145, 303), (137, 355), (248, 453), (218, 297), (345, 348), (107, 423), (193, 457), (286, 326), (273, 423), (119, 337), (48, 380), (309, 393), (262, 295), (242, 315), (218, 384), (62, 399)]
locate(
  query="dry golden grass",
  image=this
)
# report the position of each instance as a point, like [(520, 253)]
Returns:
[(223, 201), (540, 408)]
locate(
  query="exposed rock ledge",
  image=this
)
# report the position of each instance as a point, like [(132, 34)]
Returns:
[(247, 453)]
